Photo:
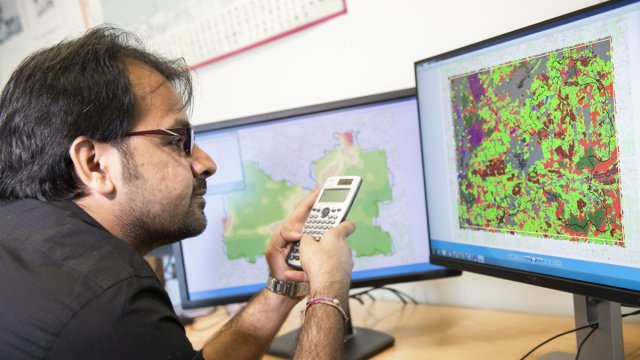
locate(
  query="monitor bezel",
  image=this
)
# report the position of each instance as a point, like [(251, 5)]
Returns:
[(623, 296), (380, 98)]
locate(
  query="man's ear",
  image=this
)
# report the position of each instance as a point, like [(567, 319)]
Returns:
[(94, 164)]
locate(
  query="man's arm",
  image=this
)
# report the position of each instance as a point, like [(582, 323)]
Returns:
[(249, 334), (322, 335), (327, 267), (328, 264)]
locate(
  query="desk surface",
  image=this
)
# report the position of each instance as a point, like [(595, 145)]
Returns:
[(441, 332)]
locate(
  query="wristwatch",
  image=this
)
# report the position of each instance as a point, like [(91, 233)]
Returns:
[(287, 288)]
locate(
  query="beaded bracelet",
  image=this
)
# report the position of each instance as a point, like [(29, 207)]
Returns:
[(335, 303)]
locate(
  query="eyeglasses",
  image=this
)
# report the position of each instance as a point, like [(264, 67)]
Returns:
[(187, 134)]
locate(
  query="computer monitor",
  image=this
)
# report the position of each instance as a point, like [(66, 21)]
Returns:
[(268, 163), (531, 144)]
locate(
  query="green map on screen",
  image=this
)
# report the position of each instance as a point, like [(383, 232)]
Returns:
[(254, 213)]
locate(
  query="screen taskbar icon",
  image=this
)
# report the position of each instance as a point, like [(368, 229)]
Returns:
[(461, 255)]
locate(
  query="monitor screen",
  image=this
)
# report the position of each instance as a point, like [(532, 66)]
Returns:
[(532, 153), (268, 163)]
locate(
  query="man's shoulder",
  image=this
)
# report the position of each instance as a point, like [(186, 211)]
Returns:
[(54, 262), (61, 242)]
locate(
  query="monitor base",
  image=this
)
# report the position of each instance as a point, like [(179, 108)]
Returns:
[(363, 344), (606, 341)]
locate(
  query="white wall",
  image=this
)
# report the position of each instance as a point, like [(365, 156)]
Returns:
[(18, 47), (371, 49)]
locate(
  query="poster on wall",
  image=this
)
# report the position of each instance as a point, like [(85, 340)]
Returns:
[(205, 31), (43, 16), (10, 21)]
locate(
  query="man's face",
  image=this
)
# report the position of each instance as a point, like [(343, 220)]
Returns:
[(162, 194)]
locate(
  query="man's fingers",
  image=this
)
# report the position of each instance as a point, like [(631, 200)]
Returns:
[(301, 211), (306, 238), (295, 275), (341, 231), (289, 234), (344, 229)]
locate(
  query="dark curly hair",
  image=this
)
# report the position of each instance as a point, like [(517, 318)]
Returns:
[(79, 87)]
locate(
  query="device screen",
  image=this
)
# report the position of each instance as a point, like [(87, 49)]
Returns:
[(531, 151), (334, 195), (257, 185)]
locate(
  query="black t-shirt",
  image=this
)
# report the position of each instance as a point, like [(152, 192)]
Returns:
[(70, 290)]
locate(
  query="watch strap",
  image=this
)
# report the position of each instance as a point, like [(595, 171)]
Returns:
[(287, 288)]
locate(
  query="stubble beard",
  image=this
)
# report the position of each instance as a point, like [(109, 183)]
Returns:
[(148, 225)]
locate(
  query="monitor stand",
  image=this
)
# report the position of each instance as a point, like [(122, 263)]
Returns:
[(606, 341), (360, 343)]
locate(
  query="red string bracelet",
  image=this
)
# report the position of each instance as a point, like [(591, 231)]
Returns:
[(334, 303)]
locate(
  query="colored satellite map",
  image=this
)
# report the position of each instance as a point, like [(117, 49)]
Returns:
[(537, 151)]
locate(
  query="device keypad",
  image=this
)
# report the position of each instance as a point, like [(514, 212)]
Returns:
[(321, 220)]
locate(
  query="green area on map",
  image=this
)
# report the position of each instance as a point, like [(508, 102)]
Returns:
[(537, 149), (254, 213)]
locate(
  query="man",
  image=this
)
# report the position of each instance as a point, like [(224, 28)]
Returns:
[(98, 167)]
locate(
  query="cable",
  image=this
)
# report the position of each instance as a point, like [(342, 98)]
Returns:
[(358, 296), (593, 329), (400, 295), (592, 326), (631, 313), (405, 298)]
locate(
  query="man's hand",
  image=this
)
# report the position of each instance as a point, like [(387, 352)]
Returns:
[(256, 325), (283, 238), (327, 267), (328, 262)]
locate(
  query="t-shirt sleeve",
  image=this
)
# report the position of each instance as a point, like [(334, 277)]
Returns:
[(132, 320)]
